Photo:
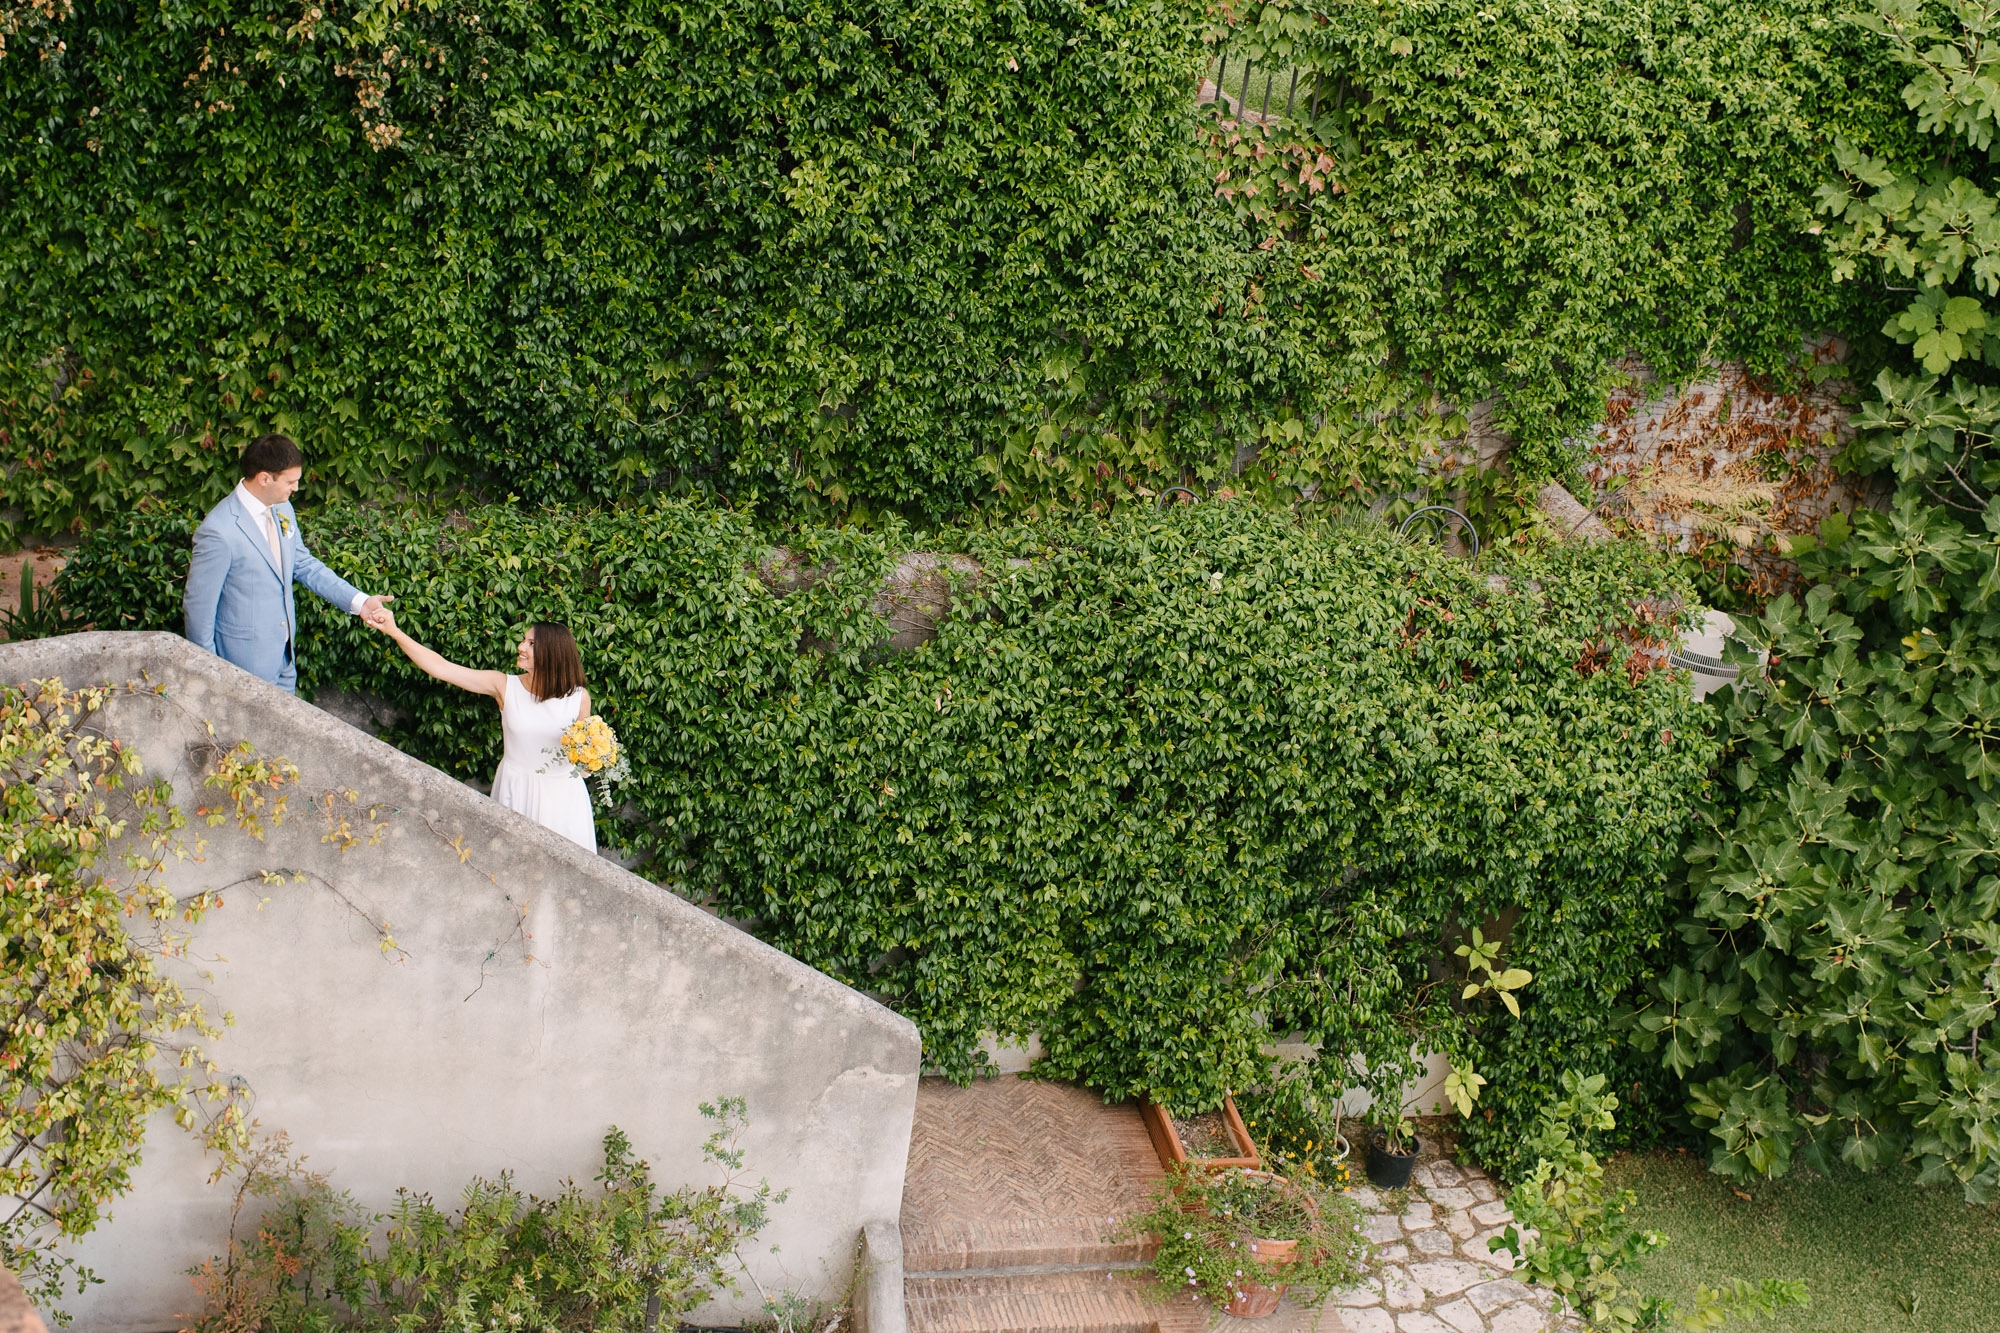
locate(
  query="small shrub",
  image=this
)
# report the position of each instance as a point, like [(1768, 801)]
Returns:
[(1205, 1226), (37, 612), (1570, 1233), (627, 1256), (1296, 1128)]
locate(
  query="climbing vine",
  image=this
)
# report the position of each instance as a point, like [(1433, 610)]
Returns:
[(96, 1035), (1519, 195), (1163, 784), (839, 259)]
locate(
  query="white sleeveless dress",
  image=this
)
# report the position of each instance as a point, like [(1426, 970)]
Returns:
[(554, 799)]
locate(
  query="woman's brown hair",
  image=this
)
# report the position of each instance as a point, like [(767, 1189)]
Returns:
[(558, 665)]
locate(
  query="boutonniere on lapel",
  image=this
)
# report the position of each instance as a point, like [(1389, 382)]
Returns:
[(285, 524)]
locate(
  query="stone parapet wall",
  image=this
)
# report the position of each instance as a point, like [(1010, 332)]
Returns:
[(535, 996)]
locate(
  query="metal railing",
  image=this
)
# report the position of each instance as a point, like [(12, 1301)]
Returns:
[(1444, 526), (1266, 80)]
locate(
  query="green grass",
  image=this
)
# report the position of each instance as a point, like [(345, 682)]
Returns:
[(1878, 1254)]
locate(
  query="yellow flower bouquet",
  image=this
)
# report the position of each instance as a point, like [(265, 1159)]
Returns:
[(592, 749)]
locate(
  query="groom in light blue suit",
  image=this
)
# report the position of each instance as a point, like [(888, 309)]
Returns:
[(247, 553)]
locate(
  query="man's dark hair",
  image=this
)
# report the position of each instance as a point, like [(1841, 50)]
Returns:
[(272, 454)]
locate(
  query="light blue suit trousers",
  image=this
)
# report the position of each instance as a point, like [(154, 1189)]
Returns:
[(239, 604)]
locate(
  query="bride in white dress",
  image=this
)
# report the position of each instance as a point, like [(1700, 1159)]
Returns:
[(535, 707)]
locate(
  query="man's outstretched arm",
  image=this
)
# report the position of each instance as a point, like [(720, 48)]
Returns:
[(325, 583)]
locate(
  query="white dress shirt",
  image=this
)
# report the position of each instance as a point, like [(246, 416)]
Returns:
[(261, 512)]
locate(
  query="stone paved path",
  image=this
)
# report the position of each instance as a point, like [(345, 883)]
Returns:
[(1434, 1272)]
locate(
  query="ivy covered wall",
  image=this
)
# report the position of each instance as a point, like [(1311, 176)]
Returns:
[(1532, 191), (1163, 785), (564, 250), (839, 256)]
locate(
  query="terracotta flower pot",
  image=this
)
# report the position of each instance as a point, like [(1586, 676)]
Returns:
[(1254, 1300)]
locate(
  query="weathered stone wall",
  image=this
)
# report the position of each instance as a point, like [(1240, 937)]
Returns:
[(1730, 463), (537, 995)]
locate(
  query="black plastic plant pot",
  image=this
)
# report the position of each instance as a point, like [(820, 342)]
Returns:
[(1389, 1169)]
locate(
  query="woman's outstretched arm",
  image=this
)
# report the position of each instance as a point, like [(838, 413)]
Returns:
[(432, 663)]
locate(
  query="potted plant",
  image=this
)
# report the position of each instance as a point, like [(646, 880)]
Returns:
[(1241, 1239), (1394, 1150), (1295, 1124)]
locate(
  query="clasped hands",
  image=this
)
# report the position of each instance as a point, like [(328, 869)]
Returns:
[(375, 612)]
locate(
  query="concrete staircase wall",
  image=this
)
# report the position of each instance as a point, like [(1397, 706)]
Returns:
[(538, 995)]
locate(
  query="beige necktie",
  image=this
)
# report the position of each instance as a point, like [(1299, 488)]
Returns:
[(271, 534)]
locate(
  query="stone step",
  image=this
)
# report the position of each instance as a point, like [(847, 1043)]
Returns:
[(1014, 1207), (1003, 1243), (1081, 1300)]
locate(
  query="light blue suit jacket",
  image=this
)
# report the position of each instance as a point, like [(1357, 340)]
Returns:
[(239, 605)]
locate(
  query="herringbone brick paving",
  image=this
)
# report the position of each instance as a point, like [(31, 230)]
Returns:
[(1020, 1176), (1014, 1171)]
